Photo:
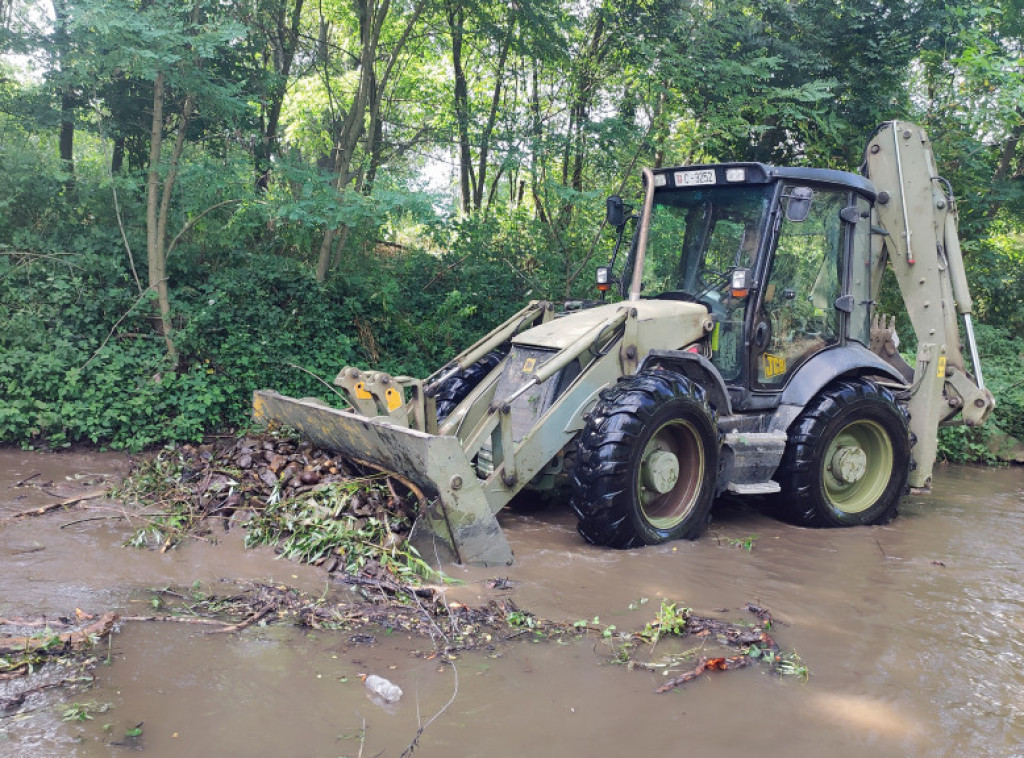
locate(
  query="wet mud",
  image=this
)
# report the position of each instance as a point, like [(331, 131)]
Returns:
[(912, 634)]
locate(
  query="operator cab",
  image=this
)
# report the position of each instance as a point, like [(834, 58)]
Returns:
[(779, 256)]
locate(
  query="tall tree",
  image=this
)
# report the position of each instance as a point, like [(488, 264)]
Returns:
[(172, 47), (277, 35), (374, 69)]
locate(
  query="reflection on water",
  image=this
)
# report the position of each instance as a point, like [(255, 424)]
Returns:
[(912, 632)]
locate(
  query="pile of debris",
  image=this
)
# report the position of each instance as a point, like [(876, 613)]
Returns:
[(37, 655), (251, 471), (275, 486)]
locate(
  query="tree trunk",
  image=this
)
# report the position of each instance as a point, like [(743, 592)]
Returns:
[(368, 97), (1007, 158), (492, 117), (158, 205), (154, 248), (456, 24), (584, 99), (536, 133), (354, 123), (117, 159), (67, 135), (66, 142), (285, 41), (375, 134), (659, 129), (378, 95)]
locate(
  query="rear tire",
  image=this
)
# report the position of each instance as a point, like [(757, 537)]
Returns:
[(847, 459), (646, 463)]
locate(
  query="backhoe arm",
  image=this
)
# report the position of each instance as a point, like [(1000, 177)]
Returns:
[(915, 230)]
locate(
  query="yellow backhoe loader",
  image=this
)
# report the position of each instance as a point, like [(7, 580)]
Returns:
[(736, 348)]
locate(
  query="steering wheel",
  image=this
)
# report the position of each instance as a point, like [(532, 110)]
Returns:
[(712, 280)]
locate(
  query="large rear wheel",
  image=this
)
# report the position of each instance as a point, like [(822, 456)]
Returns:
[(646, 463), (847, 459)]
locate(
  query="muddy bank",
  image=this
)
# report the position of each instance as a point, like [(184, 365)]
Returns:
[(911, 633)]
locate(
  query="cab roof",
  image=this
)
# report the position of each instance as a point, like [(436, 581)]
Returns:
[(734, 174)]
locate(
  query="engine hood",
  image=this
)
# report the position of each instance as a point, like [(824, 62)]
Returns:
[(682, 318)]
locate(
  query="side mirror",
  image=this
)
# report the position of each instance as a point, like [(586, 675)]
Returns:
[(616, 211), (798, 206), (604, 278), (851, 214)]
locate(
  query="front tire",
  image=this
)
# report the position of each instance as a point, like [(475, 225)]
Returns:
[(457, 387), (646, 463), (847, 459)]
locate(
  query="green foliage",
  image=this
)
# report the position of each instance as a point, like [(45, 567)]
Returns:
[(83, 711), (252, 320), (1002, 359), (744, 543), (995, 267), (791, 664), (570, 100), (961, 444), (670, 621), (521, 620), (785, 664), (62, 379), (161, 479), (80, 359), (315, 526)]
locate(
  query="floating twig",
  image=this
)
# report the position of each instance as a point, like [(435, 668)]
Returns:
[(77, 639), (92, 495), (706, 664), (249, 621)]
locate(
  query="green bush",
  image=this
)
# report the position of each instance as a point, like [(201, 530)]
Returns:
[(79, 358), (1002, 359), (961, 444)]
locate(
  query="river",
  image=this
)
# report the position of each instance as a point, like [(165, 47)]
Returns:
[(913, 634)]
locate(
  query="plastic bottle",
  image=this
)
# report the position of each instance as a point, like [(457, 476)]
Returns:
[(382, 688)]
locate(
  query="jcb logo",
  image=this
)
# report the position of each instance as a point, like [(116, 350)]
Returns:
[(772, 365)]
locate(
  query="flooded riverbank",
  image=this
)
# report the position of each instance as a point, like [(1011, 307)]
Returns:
[(912, 633)]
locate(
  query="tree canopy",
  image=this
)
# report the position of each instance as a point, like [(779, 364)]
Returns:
[(426, 162)]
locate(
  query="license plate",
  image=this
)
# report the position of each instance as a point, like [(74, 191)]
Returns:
[(695, 178)]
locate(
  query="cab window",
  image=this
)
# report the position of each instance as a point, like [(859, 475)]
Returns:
[(797, 317)]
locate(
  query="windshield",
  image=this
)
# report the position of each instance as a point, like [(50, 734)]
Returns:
[(697, 236)]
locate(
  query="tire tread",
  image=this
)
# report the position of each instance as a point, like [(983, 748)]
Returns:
[(801, 500), (602, 493)]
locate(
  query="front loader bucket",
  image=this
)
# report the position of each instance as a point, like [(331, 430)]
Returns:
[(455, 523)]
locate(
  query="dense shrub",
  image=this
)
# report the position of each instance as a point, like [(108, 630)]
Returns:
[(1002, 358), (79, 359), (67, 374)]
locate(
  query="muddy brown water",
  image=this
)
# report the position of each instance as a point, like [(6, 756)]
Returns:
[(912, 633)]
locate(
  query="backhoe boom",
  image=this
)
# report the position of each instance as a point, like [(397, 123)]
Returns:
[(916, 233)]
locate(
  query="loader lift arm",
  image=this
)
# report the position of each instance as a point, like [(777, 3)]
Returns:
[(915, 231)]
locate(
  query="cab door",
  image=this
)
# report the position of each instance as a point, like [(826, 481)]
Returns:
[(797, 317)]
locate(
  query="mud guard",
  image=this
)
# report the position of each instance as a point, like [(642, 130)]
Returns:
[(455, 523)]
